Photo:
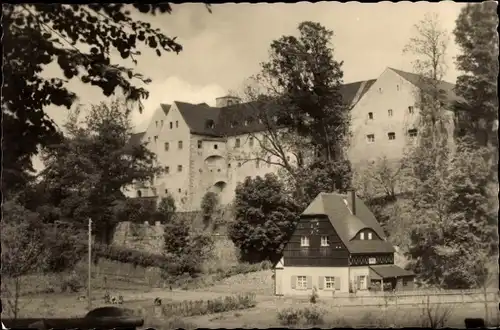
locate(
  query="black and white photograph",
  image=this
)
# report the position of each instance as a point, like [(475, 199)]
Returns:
[(250, 165)]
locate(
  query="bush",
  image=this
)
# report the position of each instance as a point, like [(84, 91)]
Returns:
[(312, 316), (289, 316), (204, 307)]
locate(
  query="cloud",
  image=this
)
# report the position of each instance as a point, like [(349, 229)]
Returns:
[(174, 89)]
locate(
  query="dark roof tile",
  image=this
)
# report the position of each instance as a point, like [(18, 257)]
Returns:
[(348, 225), (419, 81), (390, 271)]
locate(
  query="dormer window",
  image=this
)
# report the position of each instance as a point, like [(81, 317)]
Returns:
[(304, 241), (210, 124), (370, 236), (361, 236), (325, 241)]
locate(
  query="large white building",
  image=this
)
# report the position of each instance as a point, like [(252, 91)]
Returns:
[(201, 147)]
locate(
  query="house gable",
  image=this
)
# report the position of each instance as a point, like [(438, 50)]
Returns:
[(337, 209), (317, 229)]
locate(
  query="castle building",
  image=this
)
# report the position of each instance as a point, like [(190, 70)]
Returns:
[(205, 148)]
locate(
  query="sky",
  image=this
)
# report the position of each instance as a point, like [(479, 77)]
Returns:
[(222, 49)]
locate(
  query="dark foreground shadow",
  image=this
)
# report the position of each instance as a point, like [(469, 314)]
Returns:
[(100, 318)]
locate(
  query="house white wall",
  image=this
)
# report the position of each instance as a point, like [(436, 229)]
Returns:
[(315, 275)]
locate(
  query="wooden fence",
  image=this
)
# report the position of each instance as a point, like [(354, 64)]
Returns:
[(416, 297)]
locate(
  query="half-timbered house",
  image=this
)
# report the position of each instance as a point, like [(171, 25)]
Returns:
[(338, 246)]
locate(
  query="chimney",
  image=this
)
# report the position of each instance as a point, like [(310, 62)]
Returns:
[(353, 201)]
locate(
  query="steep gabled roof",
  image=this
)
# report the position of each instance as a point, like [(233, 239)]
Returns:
[(135, 140), (348, 225), (243, 118), (197, 117), (165, 108), (352, 92), (419, 81)]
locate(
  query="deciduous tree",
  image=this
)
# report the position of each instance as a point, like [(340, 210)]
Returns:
[(448, 185), (296, 96), (89, 169), (264, 218), (81, 40)]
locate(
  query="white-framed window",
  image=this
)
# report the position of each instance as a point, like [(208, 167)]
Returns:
[(301, 282), (179, 145), (389, 112), (412, 132), (370, 115), (410, 110), (304, 241), (361, 235), (179, 168), (391, 136), (370, 236), (325, 241), (329, 282), (370, 138)]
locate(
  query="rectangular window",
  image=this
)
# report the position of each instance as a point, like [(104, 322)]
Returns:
[(361, 236), (171, 125), (200, 144), (391, 135), (179, 145), (156, 138), (216, 146), (176, 123), (257, 163), (157, 123), (161, 123), (167, 146), (268, 161), (179, 168), (389, 112), (301, 282), (410, 110), (304, 241), (325, 241), (370, 115), (370, 138), (370, 236), (250, 141), (167, 169), (237, 143), (372, 261), (412, 132), (329, 282)]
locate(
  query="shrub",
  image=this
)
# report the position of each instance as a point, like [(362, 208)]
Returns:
[(289, 316), (203, 307), (312, 316)]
